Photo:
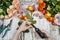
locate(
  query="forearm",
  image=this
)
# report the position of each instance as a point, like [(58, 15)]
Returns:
[(16, 35), (49, 38)]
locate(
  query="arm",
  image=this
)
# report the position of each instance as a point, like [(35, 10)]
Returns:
[(25, 25), (17, 34), (48, 39), (48, 35)]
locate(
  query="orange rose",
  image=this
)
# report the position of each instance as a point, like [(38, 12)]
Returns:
[(14, 2), (30, 8), (21, 16), (40, 1), (40, 8), (50, 19), (48, 15), (44, 12), (43, 4), (25, 18)]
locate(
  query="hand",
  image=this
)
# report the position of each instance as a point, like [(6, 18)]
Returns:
[(25, 25), (47, 34)]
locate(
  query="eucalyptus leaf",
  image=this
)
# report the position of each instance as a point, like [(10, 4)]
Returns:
[(48, 8), (8, 4), (4, 4), (20, 22), (1, 10), (33, 21), (26, 31), (57, 8), (29, 17), (53, 6)]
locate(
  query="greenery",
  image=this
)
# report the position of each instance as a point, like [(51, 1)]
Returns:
[(19, 23), (53, 6), (4, 4), (31, 18)]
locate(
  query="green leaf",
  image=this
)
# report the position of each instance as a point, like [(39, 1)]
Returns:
[(53, 1), (4, 4), (1, 10), (20, 22), (8, 4), (33, 21), (57, 8), (26, 31), (48, 8), (29, 17)]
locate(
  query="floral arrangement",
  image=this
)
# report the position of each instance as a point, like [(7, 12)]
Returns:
[(8, 8), (50, 9)]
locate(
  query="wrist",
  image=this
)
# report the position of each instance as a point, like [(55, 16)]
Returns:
[(49, 38), (18, 31)]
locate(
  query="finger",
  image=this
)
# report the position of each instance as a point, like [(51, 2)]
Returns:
[(46, 33), (29, 27), (28, 22)]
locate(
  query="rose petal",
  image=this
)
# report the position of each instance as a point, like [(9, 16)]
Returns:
[(10, 15), (9, 11), (14, 11), (12, 6), (14, 2)]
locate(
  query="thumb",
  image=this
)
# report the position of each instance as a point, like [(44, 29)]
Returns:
[(29, 27)]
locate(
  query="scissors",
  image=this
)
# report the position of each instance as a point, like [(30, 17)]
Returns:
[(8, 28)]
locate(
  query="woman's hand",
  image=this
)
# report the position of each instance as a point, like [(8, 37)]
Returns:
[(48, 35), (25, 25)]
